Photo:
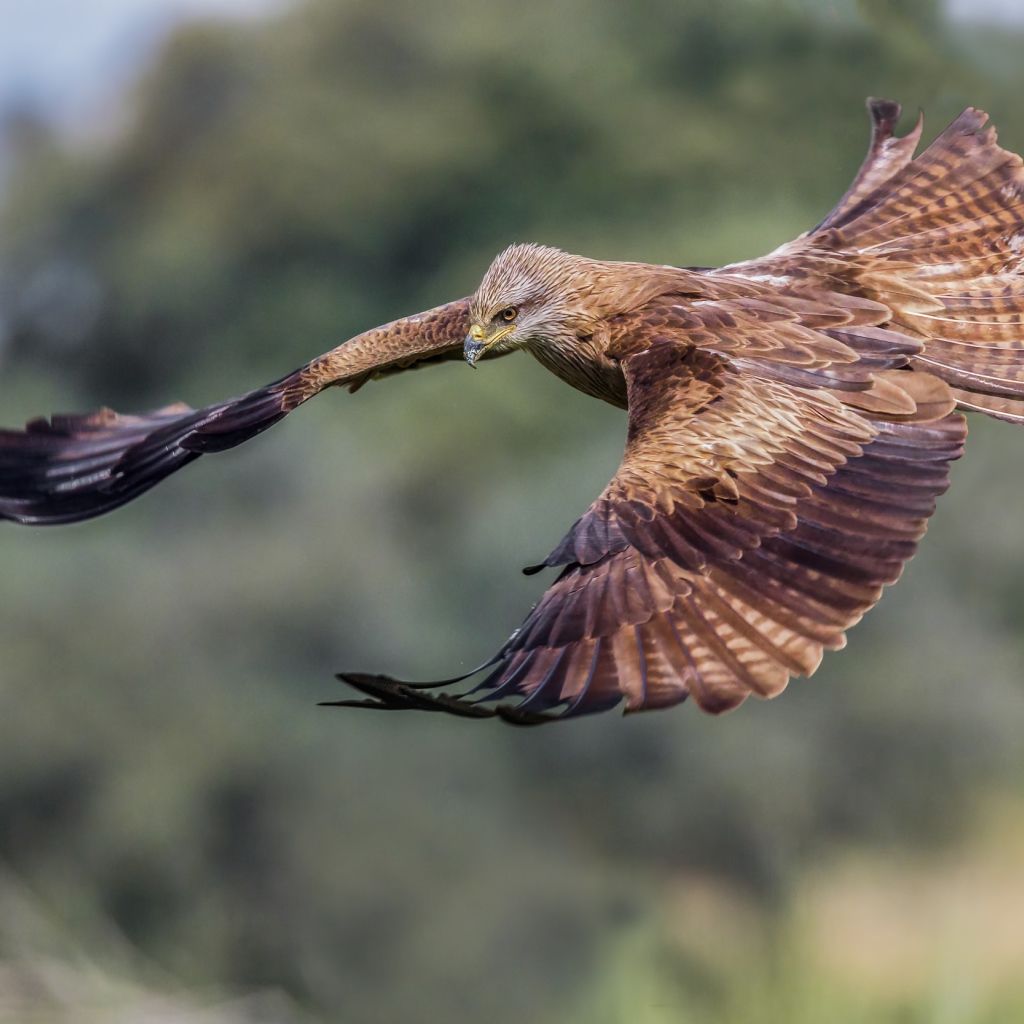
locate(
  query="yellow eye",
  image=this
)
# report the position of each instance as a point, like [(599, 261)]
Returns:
[(508, 314)]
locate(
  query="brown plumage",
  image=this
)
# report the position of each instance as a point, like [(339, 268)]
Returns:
[(791, 423)]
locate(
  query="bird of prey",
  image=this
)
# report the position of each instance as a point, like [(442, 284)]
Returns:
[(791, 423)]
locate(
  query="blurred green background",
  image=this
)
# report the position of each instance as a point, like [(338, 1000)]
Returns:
[(184, 835)]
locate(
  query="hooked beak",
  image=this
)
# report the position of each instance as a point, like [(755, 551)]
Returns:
[(477, 343)]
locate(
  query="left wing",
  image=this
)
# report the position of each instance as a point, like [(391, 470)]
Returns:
[(70, 468)]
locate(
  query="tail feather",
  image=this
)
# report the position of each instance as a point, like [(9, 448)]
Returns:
[(953, 180), (887, 155), (1009, 409), (942, 239)]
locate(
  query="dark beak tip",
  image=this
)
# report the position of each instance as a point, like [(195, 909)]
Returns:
[(472, 349)]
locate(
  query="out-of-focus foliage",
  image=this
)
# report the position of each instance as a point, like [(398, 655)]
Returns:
[(883, 937), (281, 186)]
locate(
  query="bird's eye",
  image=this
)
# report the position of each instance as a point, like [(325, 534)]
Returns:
[(508, 314)]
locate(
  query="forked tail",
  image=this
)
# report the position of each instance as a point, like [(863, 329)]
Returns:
[(942, 243)]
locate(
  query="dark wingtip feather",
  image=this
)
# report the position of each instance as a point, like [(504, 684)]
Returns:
[(70, 468), (387, 694)]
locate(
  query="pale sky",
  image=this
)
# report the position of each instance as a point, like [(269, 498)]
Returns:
[(996, 12), (64, 56)]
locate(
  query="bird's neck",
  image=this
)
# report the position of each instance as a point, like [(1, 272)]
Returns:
[(600, 290), (582, 363)]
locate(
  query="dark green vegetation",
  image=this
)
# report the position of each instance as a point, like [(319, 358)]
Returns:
[(280, 187)]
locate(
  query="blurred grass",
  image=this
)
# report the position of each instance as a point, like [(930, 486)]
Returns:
[(870, 936)]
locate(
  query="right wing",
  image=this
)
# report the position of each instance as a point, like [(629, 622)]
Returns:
[(70, 468), (751, 523)]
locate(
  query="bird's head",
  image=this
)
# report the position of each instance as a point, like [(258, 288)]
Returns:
[(528, 296)]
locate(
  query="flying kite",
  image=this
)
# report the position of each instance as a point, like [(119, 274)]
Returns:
[(791, 423)]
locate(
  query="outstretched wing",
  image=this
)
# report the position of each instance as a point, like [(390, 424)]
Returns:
[(750, 524), (70, 468)]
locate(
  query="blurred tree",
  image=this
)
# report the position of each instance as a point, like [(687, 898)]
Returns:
[(282, 186), (286, 185)]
